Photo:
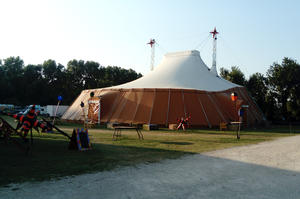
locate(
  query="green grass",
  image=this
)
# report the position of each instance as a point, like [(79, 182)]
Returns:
[(50, 157)]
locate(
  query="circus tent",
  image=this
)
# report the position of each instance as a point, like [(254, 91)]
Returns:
[(180, 86)]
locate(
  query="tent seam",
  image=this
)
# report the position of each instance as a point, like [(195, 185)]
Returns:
[(199, 100), (212, 100), (168, 110), (137, 106), (116, 104), (184, 108), (152, 106)]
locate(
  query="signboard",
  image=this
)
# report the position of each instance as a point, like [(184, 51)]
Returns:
[(241, 112), (94, 109), (80, 140)]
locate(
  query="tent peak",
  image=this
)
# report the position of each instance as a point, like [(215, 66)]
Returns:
[(183, 53)]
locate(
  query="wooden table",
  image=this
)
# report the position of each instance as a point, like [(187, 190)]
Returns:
[(118, 129)]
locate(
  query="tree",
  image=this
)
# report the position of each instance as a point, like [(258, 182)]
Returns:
[(92, 74), (76, 71), (235, 75), (13, 72), (51, 71), (2, 83), (54, 77), (225, 73), (257, 86), (13, 66), (41, 84), (115, 75), (284, 83), (34, 85)]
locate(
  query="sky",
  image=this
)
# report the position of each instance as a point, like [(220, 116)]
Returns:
[(253, 34)]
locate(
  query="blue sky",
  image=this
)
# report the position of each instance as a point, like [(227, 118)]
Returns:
[(253, 34)]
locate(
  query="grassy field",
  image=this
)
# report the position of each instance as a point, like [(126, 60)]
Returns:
[(50, 157)]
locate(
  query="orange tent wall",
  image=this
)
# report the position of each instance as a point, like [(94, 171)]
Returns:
[(165, 106)]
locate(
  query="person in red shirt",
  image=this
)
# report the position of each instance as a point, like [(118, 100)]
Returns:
[(182, 124)]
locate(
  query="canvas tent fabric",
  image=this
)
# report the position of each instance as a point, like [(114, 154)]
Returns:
[(184, 70), (181, 86)]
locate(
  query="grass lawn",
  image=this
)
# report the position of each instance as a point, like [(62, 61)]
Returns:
[(50, 157)]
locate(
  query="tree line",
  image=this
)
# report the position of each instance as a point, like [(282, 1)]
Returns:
[(43, 83), (277, 93)]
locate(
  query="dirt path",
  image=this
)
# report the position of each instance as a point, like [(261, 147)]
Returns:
[(266, 170)]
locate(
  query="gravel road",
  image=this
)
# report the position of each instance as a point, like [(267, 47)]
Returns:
[(265, 170)]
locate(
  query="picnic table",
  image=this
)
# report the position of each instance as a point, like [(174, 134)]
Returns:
[(118, 130)]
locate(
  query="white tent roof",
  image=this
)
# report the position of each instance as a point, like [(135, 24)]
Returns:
[(184, 70)]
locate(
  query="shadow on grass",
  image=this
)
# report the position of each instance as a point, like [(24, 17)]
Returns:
[(50, 158), (272, 129), (246, 132), (199, 176), (178, 143)]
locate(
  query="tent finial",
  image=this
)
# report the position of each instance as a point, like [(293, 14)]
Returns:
[(152, 43), (213, 68)]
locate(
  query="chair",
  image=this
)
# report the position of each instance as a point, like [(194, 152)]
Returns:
[(89, 124), (223, 126)]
